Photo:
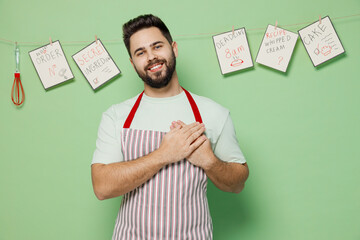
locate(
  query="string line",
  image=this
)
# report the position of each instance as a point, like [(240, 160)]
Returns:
[(177, 35)]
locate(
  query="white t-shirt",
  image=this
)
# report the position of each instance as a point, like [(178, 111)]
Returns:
[(157, 114)]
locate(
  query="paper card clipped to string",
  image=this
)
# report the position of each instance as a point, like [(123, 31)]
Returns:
[(276, 48), (96, 64), (51, 64), (321, 41), (233, 52)]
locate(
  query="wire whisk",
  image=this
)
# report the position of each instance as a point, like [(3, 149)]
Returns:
[(17, 91)]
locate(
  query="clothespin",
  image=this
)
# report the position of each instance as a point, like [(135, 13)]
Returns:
[(96, 39), (276, 24), (50, 41), (233, 30), (319, 19)]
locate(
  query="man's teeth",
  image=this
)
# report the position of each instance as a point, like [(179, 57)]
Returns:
[(156, 67)]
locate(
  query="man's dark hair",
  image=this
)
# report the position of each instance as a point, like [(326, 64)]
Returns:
[(141, 22)]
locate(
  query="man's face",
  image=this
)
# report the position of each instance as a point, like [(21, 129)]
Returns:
[(153, 57)]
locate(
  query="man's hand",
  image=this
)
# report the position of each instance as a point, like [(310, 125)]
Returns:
[(181, 142), (227, 176), (203, 156)]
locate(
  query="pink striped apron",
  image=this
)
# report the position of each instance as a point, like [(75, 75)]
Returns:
[(170, 205)]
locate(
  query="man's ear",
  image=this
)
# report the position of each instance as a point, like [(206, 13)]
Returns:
[(175, 48)]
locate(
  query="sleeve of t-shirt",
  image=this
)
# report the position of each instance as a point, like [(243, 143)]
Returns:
[(227, 147), (108, 146)]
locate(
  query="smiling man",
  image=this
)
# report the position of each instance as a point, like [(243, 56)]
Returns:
[(158, 149)]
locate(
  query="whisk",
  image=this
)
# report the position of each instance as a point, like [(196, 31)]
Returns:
[(17, 91)]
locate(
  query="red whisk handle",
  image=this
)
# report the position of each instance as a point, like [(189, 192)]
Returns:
[(17, 91)]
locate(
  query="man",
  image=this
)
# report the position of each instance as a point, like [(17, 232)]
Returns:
[(163, 174)]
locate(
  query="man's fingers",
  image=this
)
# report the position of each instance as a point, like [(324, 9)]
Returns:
[(189, 127), (181, 123), (194, 133), (185, 126), (175, 124), (197, 143), (174, 127)]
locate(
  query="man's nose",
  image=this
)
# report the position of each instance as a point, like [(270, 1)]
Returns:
[(151, 56)]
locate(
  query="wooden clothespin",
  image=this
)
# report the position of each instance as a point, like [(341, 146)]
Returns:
[(96, 39), (276, 23), (233, 30), (50, 41), (319, 19)]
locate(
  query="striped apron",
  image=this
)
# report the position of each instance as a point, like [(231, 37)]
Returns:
[(170, 205)]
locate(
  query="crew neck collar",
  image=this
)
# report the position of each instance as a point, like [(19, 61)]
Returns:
[(165, 99)]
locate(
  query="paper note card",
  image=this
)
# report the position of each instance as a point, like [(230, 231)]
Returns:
[(321, 41), (276, 48), (51, 64), (233, 51), (96, 64)]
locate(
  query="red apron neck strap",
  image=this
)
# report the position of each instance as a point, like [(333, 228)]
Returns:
[(133, 111), (137, 103), (193, 106)]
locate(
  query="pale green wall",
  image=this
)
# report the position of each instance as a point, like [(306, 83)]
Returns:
[(299, 131)]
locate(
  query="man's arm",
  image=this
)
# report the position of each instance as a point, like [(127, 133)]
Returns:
[(227, 176), (116, 179)]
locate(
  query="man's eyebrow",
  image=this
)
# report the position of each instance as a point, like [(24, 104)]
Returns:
[(151, 45), (139, 49), (157, 42)]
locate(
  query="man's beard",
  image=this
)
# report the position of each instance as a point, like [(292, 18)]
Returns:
[(159, 81)]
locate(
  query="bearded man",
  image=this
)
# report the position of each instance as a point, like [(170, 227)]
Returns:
[(158, 149)]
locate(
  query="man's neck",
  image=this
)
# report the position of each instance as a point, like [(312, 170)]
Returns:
[(172, 89)]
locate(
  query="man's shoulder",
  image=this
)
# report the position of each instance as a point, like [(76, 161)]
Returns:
[(207, 104), (128, 103), (122, 109)]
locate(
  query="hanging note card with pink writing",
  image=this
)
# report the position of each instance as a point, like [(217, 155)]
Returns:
[(321, 41), (276, 48), (51, 64), (96, 64), (233, 51)]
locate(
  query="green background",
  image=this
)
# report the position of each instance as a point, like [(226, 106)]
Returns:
[(299, 130)]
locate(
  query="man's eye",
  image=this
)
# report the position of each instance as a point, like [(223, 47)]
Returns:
[(140, 53), (157, 46)]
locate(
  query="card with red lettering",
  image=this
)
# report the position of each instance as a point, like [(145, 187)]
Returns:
[(96, 64), (321, 41), (51, 64), (233, 52), (276, 48)]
